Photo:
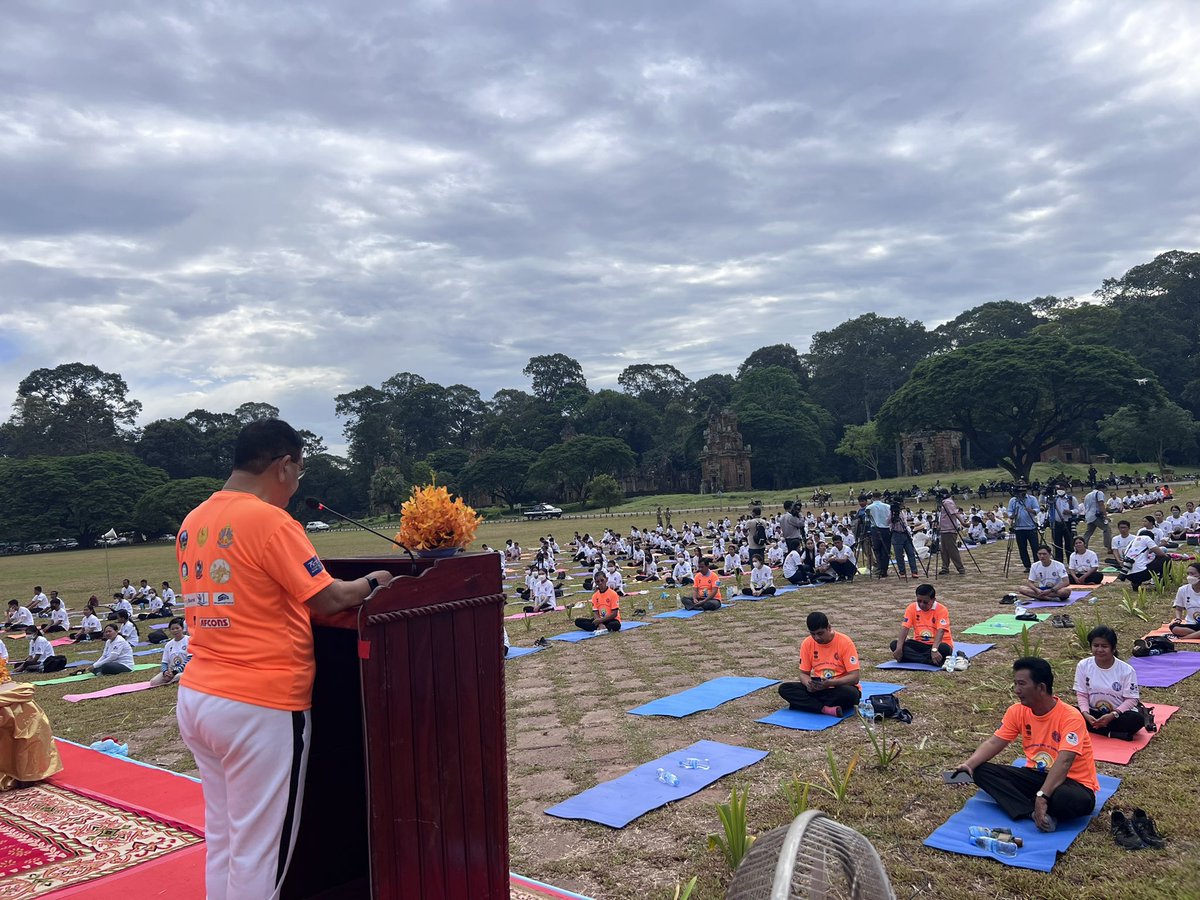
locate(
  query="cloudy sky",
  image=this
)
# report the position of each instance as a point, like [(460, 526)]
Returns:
[(280, 200)]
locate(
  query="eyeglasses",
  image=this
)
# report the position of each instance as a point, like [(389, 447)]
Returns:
[(299, 467)]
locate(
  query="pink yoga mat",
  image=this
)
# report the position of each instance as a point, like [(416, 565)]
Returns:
[(532, 615), (61, 641), (1108, 749), (109, 692)]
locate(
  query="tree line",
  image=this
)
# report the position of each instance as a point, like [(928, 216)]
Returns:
[(1119, 372)]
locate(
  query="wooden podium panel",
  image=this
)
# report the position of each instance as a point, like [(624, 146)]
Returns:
[(407, 792)]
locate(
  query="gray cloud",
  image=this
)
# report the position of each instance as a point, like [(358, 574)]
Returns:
[(233, 201)]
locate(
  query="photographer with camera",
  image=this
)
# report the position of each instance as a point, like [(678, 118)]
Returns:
[(1062, 514), (1095, 514), (1023, 512)]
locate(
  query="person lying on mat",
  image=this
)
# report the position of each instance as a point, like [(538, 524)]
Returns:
[(1187, 605), (1058, 780), (1084, 565), (175, 655), (706, 589), (829, 671), (762, 582), (1048, 578), (117, 656), (39, 651), (606, 608), (1106, 689), (929, 621)]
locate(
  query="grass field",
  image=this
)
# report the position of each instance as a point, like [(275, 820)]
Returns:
[(568, 728)]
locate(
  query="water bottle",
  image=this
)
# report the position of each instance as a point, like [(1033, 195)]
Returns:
[(693, 763), (1000, 834), (866, 710), (1000, 848), (673, 780)]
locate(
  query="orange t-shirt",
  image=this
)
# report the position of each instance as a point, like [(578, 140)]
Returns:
[(825, 661), (925, 624), (710, 582), (1044, 737), (247, 569), (606, 601)]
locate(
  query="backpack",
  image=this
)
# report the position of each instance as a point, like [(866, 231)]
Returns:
[(760, 534), (1153, 646), (886, 706)]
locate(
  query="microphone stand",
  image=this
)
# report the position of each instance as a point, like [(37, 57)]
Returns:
[(314, 504)]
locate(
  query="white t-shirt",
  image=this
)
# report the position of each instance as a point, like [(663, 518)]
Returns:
[(40, 649), (90, 624), (845, 554), (168, 595), (791, 563), (59, 617), (39, 601), (116, 651), (615, 581), (128, 631), (175, 655), (1079, 563), (1105, 689), (21, 616), (1141, 551), (3, 651), (760, 577), (543, 594), (1047, 576), (1188, 600)]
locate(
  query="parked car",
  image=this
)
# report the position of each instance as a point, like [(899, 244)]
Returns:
[(542, 511), (316, 526)]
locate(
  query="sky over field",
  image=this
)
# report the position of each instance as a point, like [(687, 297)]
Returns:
[(279, 201)]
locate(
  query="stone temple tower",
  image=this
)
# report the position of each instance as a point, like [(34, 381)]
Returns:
[(725, 459)]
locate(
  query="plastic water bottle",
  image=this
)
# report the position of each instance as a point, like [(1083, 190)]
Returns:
[(669, 778), (866, 710), (1000, 848), (1000, 834), (693, 763)]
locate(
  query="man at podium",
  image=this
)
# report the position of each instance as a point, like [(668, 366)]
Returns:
[(250, 578)]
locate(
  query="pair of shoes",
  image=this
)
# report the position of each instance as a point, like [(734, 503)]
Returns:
[(1063, 621), (944, 572), (1136, 832), (638, 613), (1026, 617), (541, 642), (961, 663), (1008, 599)]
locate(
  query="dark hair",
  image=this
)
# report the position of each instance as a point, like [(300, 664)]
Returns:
[(1039, 671), (38, 588), (1105, 633), (260, 443), (787, 505), (178, 620), (816, 621), (756, 510), (1045, 547), (13, 602), (123, 614), (1124, 522), (33, 629), (926, 590)]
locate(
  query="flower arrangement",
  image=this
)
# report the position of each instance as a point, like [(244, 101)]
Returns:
[(431, 520)]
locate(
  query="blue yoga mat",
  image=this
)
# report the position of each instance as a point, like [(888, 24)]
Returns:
[(709, 695), (972, 650), (517, 652), (1040, 851), (618, 802), (685, 613), (807, 721), (574, 637)]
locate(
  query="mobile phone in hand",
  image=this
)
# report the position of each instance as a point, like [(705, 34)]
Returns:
[(957, 778)]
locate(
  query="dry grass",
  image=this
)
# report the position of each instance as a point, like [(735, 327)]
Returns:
[(568, 728)]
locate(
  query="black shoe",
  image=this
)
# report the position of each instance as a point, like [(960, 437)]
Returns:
[(541, 642), (1143, 827), (638, 613), (1123, 833), (529, 609)]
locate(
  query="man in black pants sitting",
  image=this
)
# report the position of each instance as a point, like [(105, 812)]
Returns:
[(829, 671), (1058, 780)]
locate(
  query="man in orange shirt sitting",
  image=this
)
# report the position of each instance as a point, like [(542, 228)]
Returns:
[(706, 589), (606, 607), (1058, 780), (829, 671), (931, 642)]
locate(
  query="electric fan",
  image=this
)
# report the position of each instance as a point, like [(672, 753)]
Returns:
[(814, 858)]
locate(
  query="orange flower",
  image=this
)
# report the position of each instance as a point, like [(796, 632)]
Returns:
[(430, 520)]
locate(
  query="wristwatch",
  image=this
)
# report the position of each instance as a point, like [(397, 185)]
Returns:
[(372, 582), (1043, 795)]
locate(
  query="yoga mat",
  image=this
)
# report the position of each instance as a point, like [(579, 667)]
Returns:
[(685, 613), (1040, 851), (86, 675), (779, 590), (61, 642), (618, 802), (518, 652), (1047, 604), (807, 721), (972, 650), (1165, 670), (1107, 749), (708, 695), (533, 615), (1003, 623), (574, 637), (1165, 631), (109, 692)]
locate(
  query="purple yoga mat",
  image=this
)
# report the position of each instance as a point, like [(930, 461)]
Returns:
[(1074, 597), (1165, 670)]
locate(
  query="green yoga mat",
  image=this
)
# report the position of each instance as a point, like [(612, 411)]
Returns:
[(1004, 623), (86, 676)]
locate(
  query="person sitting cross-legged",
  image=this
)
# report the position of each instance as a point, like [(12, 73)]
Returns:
[(829, 671), (762, 582), (841, 559), (1084, 565), (706, 590), (606, 608), (929, 621), (1058, 780), (1106, 689), (1187, 605), (117, 656), (1048, 579)]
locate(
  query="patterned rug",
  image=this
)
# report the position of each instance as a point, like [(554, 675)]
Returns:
[(51, 838)]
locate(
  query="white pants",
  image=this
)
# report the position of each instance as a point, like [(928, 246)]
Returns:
[(252, 761)]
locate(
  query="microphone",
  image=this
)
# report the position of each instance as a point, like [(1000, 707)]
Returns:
[(314, 504)]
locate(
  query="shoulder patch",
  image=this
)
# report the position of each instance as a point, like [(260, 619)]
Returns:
[(314, 566)]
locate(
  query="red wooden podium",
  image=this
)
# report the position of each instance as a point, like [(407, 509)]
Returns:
[(407, 790)]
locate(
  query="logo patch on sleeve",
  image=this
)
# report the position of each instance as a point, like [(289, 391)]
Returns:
[(223, 598), (1072, 738), (314, 566)]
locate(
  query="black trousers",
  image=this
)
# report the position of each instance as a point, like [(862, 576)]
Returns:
[(844, 569), (1027, 540), (1094, 578), (590, 624), (918, 652), (798, 697), (113, 668), (1015, 790), (1064, 539), (707, 605), (767, 591), (1129, 722), (685, 580), (881, 545)]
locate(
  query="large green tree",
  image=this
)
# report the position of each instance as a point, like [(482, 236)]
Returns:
[(656, 385), (861, 443), (575, 462), (785, 428), (69, 410), (162, 508), (501, 474), (1017, 398), (1137, 432), (558, 379), (988, 321), (783, 355)]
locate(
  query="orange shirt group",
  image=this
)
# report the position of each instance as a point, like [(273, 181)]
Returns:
[(607, 602), (926, 623), (825, 661), (710, 582), (1044, 737)]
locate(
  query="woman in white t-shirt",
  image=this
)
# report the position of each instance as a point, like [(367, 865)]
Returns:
[(762, 582), (126, 628), (39, 651), (1106, 689), (117, 656), (1187, 605), (1084, 565), (175, 656)]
